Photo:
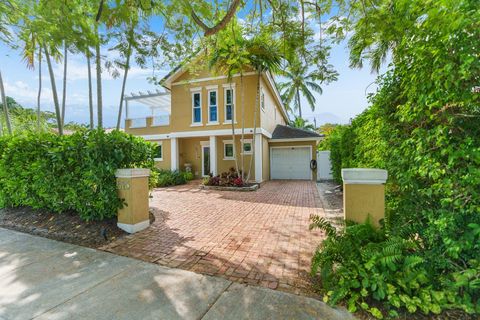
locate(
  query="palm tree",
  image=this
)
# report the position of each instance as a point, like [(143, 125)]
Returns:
[(228, 56), (90, 91), (5, 105), (301, 123), (300, 82), (64, 89), (265, 56)]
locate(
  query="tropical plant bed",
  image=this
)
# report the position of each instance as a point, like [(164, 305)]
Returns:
[(246, 187), (66, 227)]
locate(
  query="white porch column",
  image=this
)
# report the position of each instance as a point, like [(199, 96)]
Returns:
[(175, 164), (258, 158), (213, 155)]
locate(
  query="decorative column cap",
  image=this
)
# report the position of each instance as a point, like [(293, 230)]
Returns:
[(132, 173), (364, 176)]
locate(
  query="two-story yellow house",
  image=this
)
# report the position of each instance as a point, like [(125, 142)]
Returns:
[(192, 123)]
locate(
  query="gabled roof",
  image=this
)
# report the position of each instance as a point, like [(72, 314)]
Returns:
[(286, 132)]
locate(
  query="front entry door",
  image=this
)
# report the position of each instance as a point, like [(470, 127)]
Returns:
[(205, 160)]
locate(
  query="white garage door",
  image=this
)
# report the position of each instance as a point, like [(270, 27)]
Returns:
[(290, 163)]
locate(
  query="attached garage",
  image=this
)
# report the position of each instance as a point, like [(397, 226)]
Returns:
[(291, 162), (292, 152)]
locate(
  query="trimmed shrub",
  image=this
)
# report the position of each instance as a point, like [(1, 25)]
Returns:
[(69, 173), (167, 178)]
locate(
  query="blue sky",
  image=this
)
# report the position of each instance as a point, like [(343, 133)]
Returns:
[(340, 101)]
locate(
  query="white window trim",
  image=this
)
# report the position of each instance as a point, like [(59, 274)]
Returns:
[(225, 142), (160, 143), (200, 123), (208, 106), (195, 89), (212, 87), (225, 104), (251, 144)]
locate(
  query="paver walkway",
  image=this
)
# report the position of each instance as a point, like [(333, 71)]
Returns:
[(258, 238), (49, 280)]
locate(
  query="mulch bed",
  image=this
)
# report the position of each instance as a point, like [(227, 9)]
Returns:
[(66, 227)]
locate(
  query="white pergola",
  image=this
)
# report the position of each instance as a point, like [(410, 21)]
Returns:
[(157, 101)]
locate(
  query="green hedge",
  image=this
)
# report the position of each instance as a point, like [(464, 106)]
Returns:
[(423, 126), (69, 173)]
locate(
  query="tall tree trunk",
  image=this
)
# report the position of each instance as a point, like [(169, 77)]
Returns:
[(54, 92), (90, 91), (99, 80), (243, 126), (64, 94), (125, 74), (257, 105), (299, 104), (233, 122), (5, 106), (39, 89)]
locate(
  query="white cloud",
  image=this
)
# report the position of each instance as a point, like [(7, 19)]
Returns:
[(23, 93)]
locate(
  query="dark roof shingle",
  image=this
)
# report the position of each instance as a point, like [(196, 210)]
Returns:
[(286, 132)]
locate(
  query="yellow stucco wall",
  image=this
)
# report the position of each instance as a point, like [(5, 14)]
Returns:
[(270, 116), (363, 200), (313, 144), (181, 101), (166, 154), (190, 151)]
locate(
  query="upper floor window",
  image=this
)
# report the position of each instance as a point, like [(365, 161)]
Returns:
[(229, 98), (212, 106), (196, 107), (262, 99)]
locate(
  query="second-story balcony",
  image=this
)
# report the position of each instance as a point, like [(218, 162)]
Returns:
[(158, 106), (151, 121)]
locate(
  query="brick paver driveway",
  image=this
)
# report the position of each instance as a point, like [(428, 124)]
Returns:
[(258, 238)]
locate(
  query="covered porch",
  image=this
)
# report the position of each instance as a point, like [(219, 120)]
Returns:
[(213, 154)]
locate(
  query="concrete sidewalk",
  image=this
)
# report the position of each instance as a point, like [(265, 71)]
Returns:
[(46, 279)]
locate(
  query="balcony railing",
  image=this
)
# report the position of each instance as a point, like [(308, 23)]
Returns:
[(156, 121), (138, 123), (161, 120)]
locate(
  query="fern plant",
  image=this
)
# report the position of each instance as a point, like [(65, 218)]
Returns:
[(361, 264)]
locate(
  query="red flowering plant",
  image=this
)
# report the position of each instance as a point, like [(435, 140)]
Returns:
[(230, 178)]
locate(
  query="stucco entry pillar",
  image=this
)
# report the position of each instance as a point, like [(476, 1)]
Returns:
[(132, 187), (364, 195), (213, 155), (258, 158), (174, 154)]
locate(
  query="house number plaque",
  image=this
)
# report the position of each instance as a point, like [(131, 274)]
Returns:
[(123, 185)]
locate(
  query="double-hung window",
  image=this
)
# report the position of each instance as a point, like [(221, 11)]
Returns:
[(212, 106), (247, 146), (159, 152), (196, 108), (228, 153), (229, 107)]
